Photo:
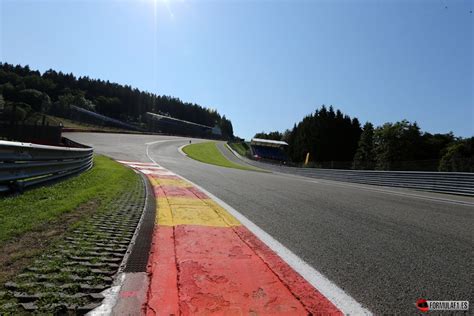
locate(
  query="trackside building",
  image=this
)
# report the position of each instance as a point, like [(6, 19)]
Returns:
[(268, 149), (170, 125)]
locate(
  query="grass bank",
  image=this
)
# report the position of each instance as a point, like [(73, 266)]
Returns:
[(209, 153), (32, 222), (35, 208), (241, 148)]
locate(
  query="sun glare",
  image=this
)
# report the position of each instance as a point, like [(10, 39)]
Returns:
[(164, 3)]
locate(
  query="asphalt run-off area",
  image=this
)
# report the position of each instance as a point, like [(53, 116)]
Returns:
[(246, 242)]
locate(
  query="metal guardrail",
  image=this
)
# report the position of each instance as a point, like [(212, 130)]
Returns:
[(24, 164), (459, 183)]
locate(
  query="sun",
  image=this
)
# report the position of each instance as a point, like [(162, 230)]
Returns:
[(164, 3)]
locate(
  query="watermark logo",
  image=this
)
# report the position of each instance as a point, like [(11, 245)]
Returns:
[(422, 305), (425, 305)]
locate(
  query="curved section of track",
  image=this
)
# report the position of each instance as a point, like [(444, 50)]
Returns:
[(384, 247), (230, 156)]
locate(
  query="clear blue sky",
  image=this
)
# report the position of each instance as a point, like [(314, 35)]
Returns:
[(264, 64)]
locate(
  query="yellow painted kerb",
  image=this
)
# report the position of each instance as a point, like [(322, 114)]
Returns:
[(170, 182), (193, 212)]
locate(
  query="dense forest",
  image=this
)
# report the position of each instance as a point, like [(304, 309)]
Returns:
[(30, 91), (335, 140)]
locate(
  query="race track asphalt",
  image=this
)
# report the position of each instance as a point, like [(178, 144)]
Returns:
[(384, 247)]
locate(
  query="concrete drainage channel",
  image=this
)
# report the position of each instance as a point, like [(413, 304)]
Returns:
[(70, 277)]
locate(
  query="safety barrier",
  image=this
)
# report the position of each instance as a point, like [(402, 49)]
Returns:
[(24, 164), (460, 183)]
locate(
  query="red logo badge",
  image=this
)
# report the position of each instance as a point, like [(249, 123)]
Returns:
[(422, 305)]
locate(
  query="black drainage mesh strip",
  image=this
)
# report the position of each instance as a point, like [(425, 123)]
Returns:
[(137, 261), (69, 277)]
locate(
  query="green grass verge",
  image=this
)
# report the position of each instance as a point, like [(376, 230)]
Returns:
[(241, 148), (209, 153), (103, 183)]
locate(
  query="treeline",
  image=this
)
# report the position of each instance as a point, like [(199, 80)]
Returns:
[(29, 90), (335, 140)]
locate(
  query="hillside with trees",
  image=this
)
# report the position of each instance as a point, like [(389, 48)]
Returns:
[(335, 140), (29, 91)]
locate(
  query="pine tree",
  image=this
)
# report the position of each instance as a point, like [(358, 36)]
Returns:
[(364, 157)]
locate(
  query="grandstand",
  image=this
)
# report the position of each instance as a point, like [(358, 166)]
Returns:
[(170, 125), (267, 149)]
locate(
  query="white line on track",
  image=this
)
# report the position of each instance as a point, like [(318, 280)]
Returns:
[(160, 141), (180, 149), (155, 142)]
